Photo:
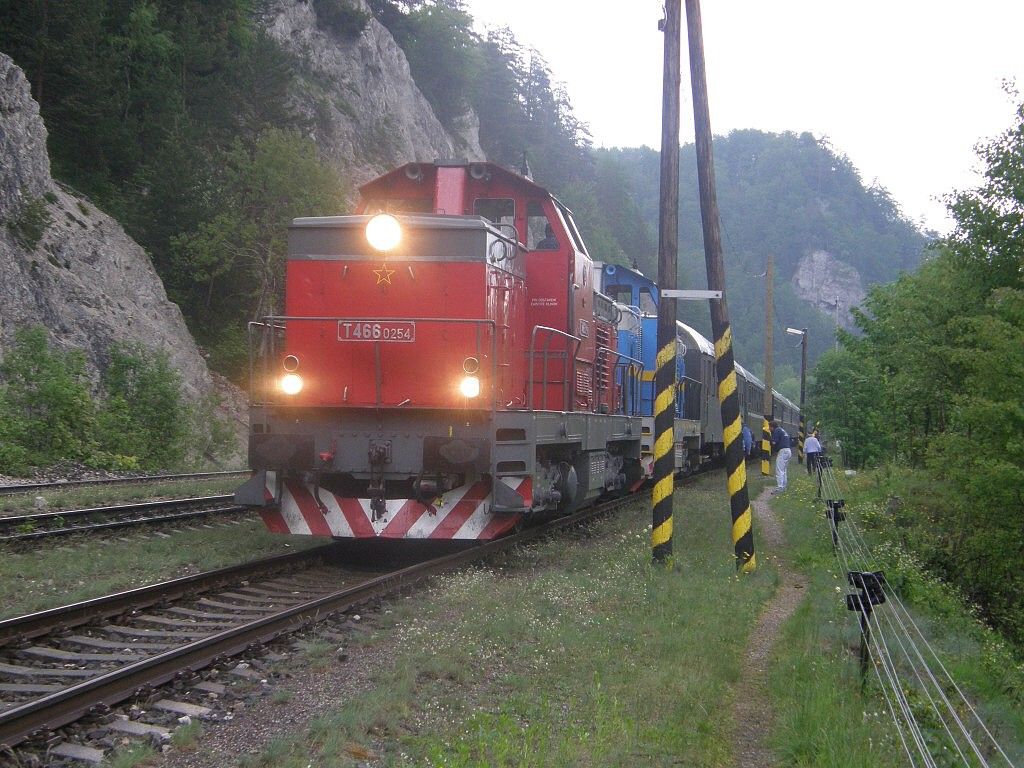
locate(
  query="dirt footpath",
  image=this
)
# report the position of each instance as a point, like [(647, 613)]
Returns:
[(752, 715)]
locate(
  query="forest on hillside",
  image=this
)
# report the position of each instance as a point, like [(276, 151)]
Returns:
[(786, 195), (174, 117), (935, 381)]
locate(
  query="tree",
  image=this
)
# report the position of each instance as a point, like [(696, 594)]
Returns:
[(230, 269)]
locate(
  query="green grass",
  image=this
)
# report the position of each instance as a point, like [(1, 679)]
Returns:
[(186, 737), (574, 651), (101, 495), (49, 576), (133, 756), (580, 652)]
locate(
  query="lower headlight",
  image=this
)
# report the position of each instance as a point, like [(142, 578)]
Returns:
[(470, 386), (291, 383)]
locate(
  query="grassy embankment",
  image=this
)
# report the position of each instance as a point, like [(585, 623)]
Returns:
[(580, 652), (48, 576), (84, 497), (815, 680)]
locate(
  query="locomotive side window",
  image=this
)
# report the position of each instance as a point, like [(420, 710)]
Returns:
[(537, 225), (570, 225), (647, 303), (500, 210), (621, 293)]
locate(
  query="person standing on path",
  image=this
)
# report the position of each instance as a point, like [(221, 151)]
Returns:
[(812, 447), (780, 443)]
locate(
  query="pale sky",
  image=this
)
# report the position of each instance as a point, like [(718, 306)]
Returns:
[(905, 88)]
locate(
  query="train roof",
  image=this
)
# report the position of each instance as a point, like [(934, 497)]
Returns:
[(700, 342), (785, 399), (748, 375)]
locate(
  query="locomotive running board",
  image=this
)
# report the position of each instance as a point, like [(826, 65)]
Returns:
[(464, 513)]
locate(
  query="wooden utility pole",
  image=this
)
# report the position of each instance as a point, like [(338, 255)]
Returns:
[(766, 436), (725, 367), (668, 251)]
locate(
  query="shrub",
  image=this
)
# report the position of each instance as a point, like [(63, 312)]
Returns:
[(143, 414), (31, 223), (341, 17), (49, 414)]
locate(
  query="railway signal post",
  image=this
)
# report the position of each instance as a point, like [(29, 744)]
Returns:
[(728, 395), (668, 251)]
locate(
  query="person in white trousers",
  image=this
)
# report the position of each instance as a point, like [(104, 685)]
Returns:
[(780, 443)]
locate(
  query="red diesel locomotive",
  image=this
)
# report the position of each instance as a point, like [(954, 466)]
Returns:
[(445, 367)]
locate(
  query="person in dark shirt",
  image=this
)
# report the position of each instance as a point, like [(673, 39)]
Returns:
[(550, 242), (780, 443)]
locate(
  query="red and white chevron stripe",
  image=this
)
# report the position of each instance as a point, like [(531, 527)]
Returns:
[(464, 513)]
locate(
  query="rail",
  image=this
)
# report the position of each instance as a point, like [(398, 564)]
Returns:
[(44, 525), (63, 484)]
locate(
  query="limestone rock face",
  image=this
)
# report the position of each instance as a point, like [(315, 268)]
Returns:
[(366, 113), (86, 281), (821, 279), (24, 163)]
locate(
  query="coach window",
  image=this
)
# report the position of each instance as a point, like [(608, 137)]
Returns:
[(500, 210)]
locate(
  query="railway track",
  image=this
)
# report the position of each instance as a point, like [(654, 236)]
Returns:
[(48, 525), (6, 490), (59, 665)]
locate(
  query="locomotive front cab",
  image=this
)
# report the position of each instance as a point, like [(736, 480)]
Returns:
[(380, 380)]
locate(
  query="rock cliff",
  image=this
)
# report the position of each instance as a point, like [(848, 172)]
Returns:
[(366, 113), (829, 284), (70, 267)]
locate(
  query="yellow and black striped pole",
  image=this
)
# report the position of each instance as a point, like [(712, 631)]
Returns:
[(766, 447), (664, 442), (668, 251), (728, 396), (732, 426)]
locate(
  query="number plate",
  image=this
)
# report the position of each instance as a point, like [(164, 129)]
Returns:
[(372, 330)]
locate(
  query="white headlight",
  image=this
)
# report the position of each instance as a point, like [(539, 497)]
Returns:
[(470, 386), (383, 232), (291, 383)]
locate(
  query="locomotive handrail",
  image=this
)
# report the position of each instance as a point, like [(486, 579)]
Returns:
[(639, 364), (271, 322), (547, 349)]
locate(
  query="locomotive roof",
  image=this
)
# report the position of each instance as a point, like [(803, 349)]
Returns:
[(366, 190)]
